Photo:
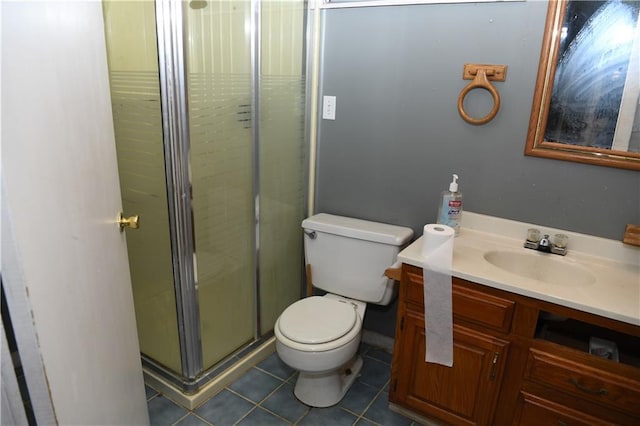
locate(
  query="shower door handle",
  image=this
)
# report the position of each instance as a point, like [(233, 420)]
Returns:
[(132, 222)]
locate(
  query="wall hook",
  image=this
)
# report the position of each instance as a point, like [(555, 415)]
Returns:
[(481, 75)]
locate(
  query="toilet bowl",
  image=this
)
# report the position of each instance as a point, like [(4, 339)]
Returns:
[(319, 337)]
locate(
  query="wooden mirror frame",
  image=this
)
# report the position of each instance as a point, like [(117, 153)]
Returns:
[(536, 145)]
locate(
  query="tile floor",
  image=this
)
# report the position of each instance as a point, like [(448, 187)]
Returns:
[(264, 396)]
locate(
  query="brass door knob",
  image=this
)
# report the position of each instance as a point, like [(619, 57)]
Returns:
[(132, 222)]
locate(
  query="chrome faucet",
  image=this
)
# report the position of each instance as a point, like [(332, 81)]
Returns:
[(534, 242), (544, 244)]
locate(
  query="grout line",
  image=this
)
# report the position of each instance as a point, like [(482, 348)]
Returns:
[(378, 360), (303, 415), (246, 414), (240, 395), (380, 392), (202, 419), (271, 374), (153, 397), (292, 379), (258, 405), (181, 418), (369, 385), (271, 393), (276, 414)]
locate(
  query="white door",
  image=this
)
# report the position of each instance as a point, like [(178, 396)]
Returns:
[(66, 257)]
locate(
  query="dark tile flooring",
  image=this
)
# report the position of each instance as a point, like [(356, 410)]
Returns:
[(264, 396)]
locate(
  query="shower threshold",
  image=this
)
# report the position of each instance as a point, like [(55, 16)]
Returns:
[(190, 394)]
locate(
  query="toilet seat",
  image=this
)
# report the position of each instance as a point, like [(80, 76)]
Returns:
[(316, 320), (318, 324)]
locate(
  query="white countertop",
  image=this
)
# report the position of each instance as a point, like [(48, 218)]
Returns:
[(614, 293)]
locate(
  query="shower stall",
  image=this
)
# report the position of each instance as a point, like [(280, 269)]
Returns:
[(208, 102)]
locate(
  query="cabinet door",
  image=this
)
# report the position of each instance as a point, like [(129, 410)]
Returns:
[(463, 394)]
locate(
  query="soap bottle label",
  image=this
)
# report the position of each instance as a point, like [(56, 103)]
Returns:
[(451, 212), (454, 208)]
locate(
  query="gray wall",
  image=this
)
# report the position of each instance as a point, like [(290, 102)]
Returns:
[(397, 138)]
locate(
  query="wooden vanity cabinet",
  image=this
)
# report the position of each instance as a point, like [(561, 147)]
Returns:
[(476, 376), (511, 365), (466, 393)]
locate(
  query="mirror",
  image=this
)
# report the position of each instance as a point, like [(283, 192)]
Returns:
[(585, 106)]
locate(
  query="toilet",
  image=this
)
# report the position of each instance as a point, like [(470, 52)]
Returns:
[(319, 335)]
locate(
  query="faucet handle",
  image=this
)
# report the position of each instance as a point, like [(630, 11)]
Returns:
[(533, 235), (560, 240)]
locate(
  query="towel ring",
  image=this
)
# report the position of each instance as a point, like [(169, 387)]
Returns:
[(479, 82)]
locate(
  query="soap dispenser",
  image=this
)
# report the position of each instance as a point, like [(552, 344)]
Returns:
[(450, 209)]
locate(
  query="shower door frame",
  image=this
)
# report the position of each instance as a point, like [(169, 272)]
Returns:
[(175, 123), (171, 35)]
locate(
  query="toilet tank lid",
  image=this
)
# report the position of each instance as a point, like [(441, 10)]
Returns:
[(359, 229)]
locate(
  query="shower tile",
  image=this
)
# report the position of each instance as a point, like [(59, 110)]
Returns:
[(225, 408), (260, 417), (274, 365), (164, 412), (379, 412), (284, 403), (375, 373), (359, 397), (255, 385), (334, 416)]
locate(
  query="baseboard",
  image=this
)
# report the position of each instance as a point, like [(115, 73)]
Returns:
[(215, 385)]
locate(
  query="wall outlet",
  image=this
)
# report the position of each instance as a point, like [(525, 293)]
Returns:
[(329, 107)]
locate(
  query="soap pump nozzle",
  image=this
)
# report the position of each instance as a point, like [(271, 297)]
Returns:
[(453, 186)]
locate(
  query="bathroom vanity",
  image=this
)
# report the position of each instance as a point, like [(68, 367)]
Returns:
[(521, 336)]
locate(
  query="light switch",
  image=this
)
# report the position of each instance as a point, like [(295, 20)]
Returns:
[(329, 107)]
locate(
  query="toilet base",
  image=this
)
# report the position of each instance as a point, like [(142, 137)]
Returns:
[(325, 390)]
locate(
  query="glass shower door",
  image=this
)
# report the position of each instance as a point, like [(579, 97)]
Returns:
[(282, 159), (219, 88), (130, 31), (237, 167), (218, 255)]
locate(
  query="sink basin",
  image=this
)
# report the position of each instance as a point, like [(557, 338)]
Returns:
[(548, 268)]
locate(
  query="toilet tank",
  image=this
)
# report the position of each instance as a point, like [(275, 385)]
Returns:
[(349, 256)]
